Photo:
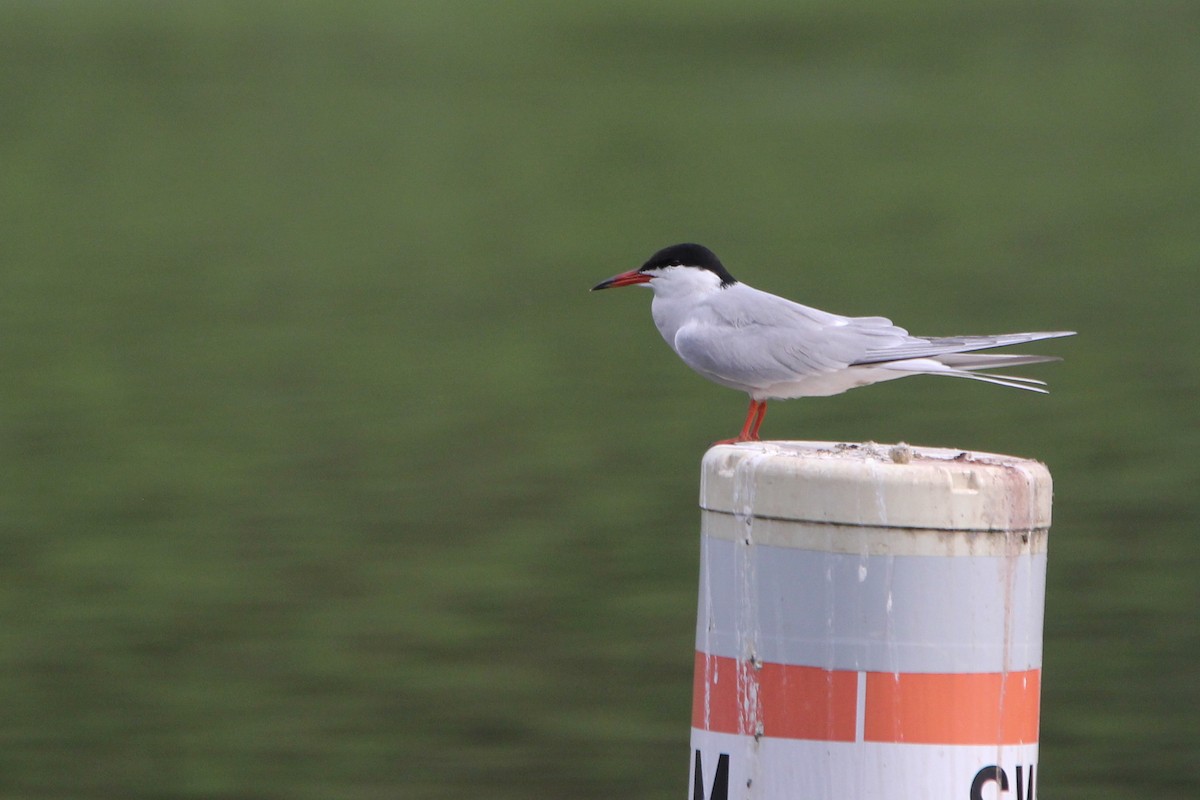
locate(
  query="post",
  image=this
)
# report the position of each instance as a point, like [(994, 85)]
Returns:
[(869, 623)]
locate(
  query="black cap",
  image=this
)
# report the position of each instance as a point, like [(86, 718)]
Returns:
[(689, 255)]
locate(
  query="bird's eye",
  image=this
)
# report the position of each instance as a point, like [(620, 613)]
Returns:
[(676, 263)]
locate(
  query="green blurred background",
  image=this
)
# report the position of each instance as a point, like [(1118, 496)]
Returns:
[(324, 476)]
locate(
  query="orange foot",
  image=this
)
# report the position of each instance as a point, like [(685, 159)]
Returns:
[(754, 418), (735, 440)]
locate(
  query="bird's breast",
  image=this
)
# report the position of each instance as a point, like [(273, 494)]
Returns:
[(669, 316)]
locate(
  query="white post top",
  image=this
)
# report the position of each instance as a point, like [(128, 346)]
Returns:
[(880, 485)]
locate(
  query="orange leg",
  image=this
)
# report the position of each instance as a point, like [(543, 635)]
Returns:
[(758, 420), (754, 419)]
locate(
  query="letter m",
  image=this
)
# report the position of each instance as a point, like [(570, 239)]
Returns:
[(720, 785)]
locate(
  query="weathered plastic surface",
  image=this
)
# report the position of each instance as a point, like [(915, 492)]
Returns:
[(893, 486)]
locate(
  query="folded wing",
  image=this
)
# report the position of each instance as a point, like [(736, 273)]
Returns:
[(748, 338)]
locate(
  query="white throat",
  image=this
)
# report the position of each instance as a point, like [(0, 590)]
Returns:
[(677, 292)]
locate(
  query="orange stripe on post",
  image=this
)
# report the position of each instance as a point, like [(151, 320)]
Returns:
[(792, 702), (971, 708), (809, 703), (716, 699)]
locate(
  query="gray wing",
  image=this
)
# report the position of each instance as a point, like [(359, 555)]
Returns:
[(747, 338)]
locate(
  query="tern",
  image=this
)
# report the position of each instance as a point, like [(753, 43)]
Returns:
[(774, 349)]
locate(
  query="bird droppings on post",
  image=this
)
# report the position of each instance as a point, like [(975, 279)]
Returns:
[(900, 453)]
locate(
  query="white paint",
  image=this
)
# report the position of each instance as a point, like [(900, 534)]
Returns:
[(860, 714), (791, 769)]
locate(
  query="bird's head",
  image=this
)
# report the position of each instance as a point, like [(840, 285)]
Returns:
[(678, 267)]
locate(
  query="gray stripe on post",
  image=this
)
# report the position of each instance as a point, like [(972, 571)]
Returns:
[(879, 613)]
